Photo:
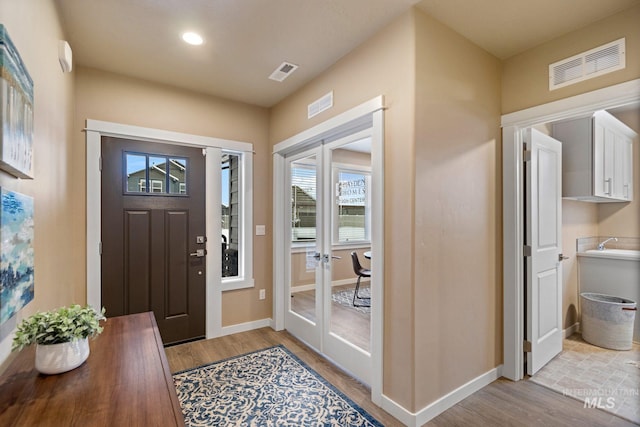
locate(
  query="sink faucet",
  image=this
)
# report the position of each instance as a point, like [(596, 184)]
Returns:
[(601, 245)]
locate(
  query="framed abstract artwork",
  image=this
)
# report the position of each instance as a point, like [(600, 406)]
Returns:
[(16, 253), (16, 111)]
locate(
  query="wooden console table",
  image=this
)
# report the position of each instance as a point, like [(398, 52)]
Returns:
[(125, 382)]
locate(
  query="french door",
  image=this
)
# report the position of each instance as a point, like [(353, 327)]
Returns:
[(329, 219)]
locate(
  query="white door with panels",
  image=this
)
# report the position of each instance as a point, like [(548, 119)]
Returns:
[(543, 249)]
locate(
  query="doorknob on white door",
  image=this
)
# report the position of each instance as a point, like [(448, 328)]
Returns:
[(561, 257)]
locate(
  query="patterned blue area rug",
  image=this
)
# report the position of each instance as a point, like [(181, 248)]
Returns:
[(270, 387)]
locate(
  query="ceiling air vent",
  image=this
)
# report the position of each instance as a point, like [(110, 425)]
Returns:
[(586, 65), (283, 71)]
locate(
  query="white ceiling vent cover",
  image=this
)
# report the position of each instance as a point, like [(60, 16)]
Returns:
[(586, 65), (283, 71), (320, 105)]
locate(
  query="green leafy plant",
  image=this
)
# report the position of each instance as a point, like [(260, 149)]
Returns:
[(58, 326)]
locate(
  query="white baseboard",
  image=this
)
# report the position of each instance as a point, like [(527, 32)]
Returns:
[(445, 402), (566, 333), (342, 282), (400, 413), (303, 288), (247, 326), (349, 281)]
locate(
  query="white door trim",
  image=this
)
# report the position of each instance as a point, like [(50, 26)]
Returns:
[(95, 130), (367, 114), (512, 181)]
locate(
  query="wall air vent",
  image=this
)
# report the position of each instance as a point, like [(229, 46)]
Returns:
[(586, 65), (283, 71), (320, 105)]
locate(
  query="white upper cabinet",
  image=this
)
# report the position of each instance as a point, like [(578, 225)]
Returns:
[(597, 158)]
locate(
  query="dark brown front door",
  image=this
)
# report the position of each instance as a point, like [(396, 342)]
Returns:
[(153, 228)]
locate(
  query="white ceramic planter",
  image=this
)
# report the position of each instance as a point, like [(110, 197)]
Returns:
[(58, 358)]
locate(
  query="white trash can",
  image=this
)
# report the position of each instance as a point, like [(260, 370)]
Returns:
[(607, 321)]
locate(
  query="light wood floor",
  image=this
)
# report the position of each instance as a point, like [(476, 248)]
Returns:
[(346, 322), (502, 403)]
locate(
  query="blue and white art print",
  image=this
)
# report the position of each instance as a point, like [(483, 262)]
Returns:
[(16, 111), (16, 253)]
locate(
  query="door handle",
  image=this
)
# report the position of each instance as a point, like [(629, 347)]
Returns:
[(325, 257), (199, 253), (609, 185), (561, 257)]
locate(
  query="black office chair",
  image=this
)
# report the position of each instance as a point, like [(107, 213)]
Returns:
[(360, 272)]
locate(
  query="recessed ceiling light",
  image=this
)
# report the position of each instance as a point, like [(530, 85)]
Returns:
[(192, 38)]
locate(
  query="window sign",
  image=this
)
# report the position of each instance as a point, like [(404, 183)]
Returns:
[(352, 206)]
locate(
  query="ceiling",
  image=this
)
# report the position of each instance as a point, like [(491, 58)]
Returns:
[(246, 40)]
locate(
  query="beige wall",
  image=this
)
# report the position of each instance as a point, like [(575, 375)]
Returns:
[(59, 237), (443, 274), (443, 262), (458, 250), (579, 219), (115, 98), (351, 157), (384, 65), (525, 79)]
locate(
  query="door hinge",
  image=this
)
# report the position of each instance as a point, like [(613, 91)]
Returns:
[(100, 163), (526, 346), (526, 155), (204, 152), (100, 248), (526, 250)]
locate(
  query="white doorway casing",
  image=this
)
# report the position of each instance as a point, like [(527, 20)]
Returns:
[(211, 147), (512, 184), (367, 115)]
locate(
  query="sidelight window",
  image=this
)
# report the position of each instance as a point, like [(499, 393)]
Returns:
[(236, 208), (231, 173)]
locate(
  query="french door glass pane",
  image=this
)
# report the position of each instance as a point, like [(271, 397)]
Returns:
[(350, 313), (351, 202), (303, 262)]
